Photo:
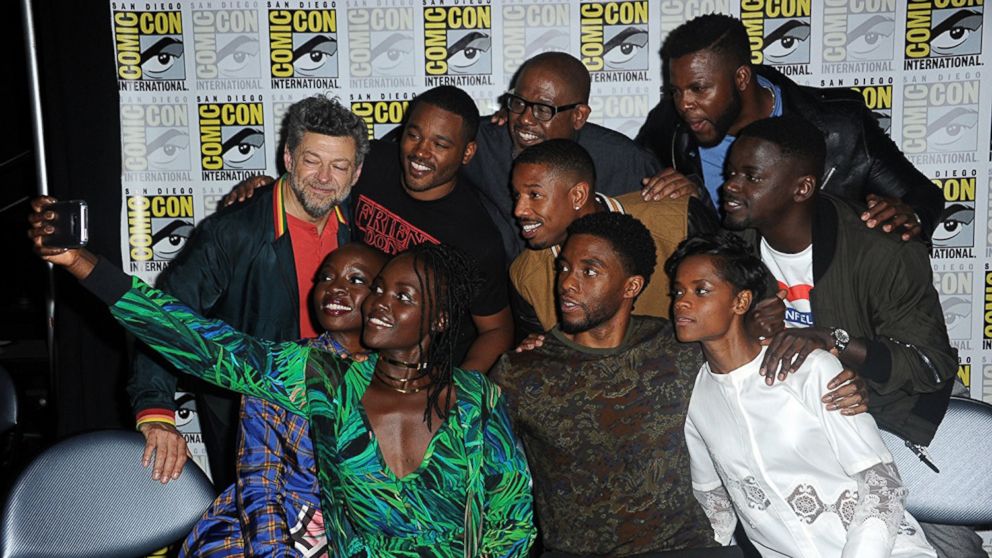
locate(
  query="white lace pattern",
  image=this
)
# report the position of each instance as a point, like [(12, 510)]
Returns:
[(719, 510), (880, 495)]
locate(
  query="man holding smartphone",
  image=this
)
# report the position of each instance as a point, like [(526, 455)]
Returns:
[(252, 265)]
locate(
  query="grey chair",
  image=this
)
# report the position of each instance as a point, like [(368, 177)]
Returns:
[(8, 402), (961, 493), (88, 496)]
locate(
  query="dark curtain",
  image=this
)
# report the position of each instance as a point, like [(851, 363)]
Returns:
[(82, 134)]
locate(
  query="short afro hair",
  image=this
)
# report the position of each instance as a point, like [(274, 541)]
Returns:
[(561, 156), (733, 260), (796, 138), (720, 33), (454, 100), (327, 117), (630, 239)]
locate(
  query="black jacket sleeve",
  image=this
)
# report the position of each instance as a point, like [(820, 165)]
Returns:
[(702, 219), (891, 174)]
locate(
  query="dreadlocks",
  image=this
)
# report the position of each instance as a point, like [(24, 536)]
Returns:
[(448, 280)]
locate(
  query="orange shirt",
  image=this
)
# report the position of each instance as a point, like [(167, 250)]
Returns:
[(309, 250)]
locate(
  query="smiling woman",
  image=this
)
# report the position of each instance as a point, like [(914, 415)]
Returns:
[(414, 456)]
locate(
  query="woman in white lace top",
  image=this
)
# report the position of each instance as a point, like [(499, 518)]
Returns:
[(804, 481)]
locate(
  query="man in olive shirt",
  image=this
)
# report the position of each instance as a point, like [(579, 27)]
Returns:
[(601, 406)]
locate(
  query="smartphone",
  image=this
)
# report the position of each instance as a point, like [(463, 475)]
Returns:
[(70, 223)]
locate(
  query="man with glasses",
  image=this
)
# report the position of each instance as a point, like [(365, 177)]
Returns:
[(550, 100)]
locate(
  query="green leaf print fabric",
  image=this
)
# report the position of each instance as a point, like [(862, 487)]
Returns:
[(471, 495)]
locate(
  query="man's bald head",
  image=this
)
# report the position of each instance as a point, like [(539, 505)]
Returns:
[(565, 68)]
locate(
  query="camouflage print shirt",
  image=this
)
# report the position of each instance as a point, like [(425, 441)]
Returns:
[(603, 430)]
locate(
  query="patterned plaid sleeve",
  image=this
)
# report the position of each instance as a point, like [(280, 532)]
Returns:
[(266, 437), (218, 532)]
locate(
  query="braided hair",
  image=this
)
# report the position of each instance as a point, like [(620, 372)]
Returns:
[(448, 280)]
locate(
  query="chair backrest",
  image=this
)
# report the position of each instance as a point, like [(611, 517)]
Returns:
[(89, 496), (8, 402), (961, 494)]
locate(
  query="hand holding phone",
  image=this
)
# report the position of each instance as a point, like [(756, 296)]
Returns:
[(70, 224), (42, 221)]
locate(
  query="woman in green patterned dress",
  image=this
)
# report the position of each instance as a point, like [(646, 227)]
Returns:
[(415, 456)]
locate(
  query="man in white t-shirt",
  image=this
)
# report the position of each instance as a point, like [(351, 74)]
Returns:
[(794, 274), (871, 299)]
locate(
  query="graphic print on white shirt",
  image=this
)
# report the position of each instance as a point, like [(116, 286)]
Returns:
[(794, 274), (794, 475)]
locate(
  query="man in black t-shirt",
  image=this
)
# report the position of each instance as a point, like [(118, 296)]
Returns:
[(409, 194)]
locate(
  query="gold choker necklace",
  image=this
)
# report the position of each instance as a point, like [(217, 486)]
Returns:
[(404, 364), (400, 380), (403, 390)]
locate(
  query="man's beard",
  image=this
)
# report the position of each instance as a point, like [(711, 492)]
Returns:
[(594, 317), (726, 119), (315, 207), (741, 224)]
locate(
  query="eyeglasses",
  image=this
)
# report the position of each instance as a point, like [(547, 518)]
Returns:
[(540, 111)]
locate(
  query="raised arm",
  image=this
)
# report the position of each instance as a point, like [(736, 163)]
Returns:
[(208, 349)]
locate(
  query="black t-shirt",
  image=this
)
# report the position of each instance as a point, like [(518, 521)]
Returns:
[(386, 217)]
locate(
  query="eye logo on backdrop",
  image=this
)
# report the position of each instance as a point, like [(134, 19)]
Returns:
[(458, 43), (155, 140), (188, 424), (943, 33), (381, 47), (957, 300), (226, 48), (954, 236), (232, 138), (531, 29), (878, 99), (778, 31), (858, 35), (303, 49), (940, 119), (158, 226), (380, 116), (149, 50), (613, 40)]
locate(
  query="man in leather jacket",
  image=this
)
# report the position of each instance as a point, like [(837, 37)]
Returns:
[(251, 266), (714, 91)]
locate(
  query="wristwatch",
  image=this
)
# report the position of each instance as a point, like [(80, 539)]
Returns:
[(840, 337)]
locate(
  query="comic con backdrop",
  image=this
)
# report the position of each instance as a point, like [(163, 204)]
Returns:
[(204, 86)]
